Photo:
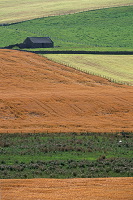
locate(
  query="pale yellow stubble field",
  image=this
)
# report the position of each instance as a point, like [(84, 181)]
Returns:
[(20, 10), (117, 67)]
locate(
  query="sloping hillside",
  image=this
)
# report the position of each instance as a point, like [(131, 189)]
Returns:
[(110, 28), (16, 10), (39, 95), (117, 67)]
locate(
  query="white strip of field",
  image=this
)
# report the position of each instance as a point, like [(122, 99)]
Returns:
[(21, 10)]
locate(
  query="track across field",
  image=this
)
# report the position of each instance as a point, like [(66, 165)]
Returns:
[(37, 94)]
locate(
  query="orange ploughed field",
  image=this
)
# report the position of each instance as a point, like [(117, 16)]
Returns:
[(39, 95), (68, 189)]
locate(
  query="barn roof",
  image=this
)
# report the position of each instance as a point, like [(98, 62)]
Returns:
[(40, 39)]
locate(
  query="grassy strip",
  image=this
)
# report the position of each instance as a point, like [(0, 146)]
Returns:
[(82, 48), (16, 10), (110, 27), (65, 155)]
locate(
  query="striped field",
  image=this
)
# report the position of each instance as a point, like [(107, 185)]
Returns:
[(18, 10), (116, 67)]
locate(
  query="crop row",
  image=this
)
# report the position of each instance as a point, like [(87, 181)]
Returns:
[(43, 145), (102, 167), (66, 155)]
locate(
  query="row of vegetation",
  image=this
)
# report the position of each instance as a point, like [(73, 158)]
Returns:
[(110, 27), (114, 167), (66, 155)]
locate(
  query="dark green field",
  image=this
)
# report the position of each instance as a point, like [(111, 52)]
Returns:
[(66, 155), (110, 27)]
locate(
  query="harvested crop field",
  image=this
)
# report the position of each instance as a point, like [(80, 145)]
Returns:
[(116, 67), (52, 189), (39, 95), (16, 10)]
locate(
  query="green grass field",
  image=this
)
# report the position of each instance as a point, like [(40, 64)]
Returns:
[(110, 27), (17, 10), (100, 30), (65, 155), (117, 67)]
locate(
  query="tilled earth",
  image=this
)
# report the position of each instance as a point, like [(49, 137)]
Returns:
[(67, 189), (39, 95)]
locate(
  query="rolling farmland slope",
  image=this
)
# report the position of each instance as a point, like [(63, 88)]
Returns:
[(106, 29), (16, 10), (118, 68), (111, 27), (39, 95)]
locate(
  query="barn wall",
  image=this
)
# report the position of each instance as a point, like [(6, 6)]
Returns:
[(29, 44), (41, 45), (47, 45)]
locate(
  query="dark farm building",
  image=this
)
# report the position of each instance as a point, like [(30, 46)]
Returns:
[(38, 42)]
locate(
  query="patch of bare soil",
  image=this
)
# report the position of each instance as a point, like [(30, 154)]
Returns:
[(67, 189), (37, 94)]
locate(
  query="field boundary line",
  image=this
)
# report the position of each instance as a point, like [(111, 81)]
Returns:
[(65, 13), (83, 52), (94, 74)]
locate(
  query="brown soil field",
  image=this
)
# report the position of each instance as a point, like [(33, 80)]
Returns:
[(67, 189), (39, 95)]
